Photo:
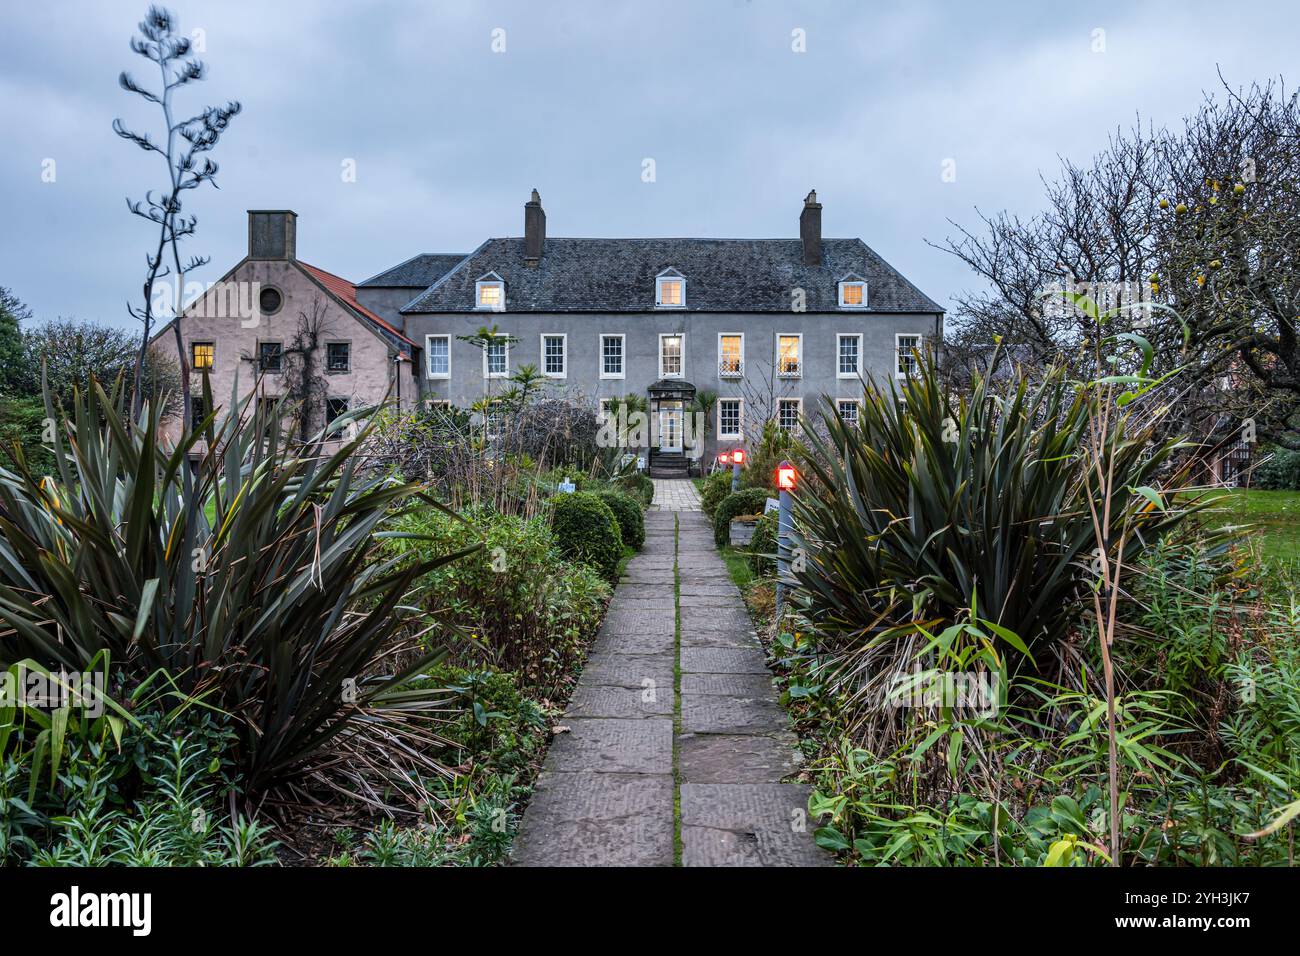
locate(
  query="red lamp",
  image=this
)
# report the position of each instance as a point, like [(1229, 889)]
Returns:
[(785, 477), (724, 458), (738, 456)]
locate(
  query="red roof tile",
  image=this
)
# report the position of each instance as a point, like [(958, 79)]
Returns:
[(343, 289)]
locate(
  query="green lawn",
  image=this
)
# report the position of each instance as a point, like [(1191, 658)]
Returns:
[(1273, 515)]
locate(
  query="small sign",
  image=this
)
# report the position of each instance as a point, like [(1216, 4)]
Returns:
[(772, 504), (566, 488)]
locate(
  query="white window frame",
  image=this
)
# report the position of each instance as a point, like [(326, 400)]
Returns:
[(848, 282), (789, 335), (849, 401), (739, 434), (740, 372), (564, 354), (798, 417), (681, 373), (478, 296), (506, 373), (428, 354), (898, 350), (848, 335), (669, 276), (622, 354)]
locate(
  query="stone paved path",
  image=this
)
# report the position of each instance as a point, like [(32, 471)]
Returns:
[(674, 494), (666, 717)]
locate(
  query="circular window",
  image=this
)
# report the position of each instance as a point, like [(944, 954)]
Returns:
[(270, 300)]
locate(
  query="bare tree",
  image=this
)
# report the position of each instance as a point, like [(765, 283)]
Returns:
[(1204, 219), (184, 141)]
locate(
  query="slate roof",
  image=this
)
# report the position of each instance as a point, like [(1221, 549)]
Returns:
[(417, 272), (722, 275)]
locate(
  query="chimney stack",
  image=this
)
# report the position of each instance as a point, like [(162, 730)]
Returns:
[(272, 234), (534, 230), (810, 230)]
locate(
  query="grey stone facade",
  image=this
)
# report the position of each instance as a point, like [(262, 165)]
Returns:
[(585, 289)]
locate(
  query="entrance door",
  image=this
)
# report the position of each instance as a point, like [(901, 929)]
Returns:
[(670, 429)]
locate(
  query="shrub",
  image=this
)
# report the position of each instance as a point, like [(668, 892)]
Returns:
[(746, 501), (773, 447), (253, 575), (627, 511), (638, 485), (1279, 473), (587, 531), (763, 544), (715, 487), (530, 610), (926, 513), (129, 795)]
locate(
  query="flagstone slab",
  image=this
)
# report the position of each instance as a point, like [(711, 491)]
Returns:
[(722, 660), (737, 758), (729, 685), (612, 745), (748, 825), (591, 700), (597, 819), (633, 670), (714, 714), (638, 645)]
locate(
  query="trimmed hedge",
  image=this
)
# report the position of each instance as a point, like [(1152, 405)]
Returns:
[(746, 501), (587, 531), (715, 487), (763, 544), (627, 511)]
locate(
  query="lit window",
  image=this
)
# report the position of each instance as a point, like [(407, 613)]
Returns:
[(490, 294), (850, 356), (269, 356), (908, 345), (787, 414), (553, 356), (729, 418), (731, 355), (202, 354), (338, 356), (789, 350), (670, 291), (670, 356), (438, 350), (853, 295), (611, 356), (496, 357), (848, 410)]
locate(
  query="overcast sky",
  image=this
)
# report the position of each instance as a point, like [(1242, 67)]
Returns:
[(448, 136)]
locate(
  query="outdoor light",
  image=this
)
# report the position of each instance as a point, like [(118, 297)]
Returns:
[(724, 458), (738, 456), (785, 476)]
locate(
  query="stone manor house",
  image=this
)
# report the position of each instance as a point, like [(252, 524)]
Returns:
[(768, 325)]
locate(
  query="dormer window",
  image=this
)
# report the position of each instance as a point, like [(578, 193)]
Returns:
[(853, 292), (490, 293), (670, 290)]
